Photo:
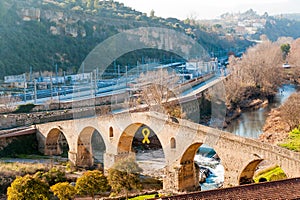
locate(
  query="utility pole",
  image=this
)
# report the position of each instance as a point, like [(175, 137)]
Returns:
[(51, 87), (126, 68), (95, 82), (35, 95), (92, 86), (137, 66), (25, 86), (30, 76), (58, 96), (115, 67), (56, 73), (64, 78), (83, 67)]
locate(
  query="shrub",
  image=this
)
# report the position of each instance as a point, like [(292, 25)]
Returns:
[(91, 183), (293, 141), (270, 174), (28, 187), (53, 176), (124, 176), (64, 190), (24, 108)]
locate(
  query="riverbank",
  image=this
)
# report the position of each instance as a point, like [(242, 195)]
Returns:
[(275, 130), (249, 105), (282, 120)]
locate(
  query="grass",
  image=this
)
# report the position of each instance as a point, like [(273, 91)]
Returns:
[(273, 173), (32, 156), (293, 141), (19, 169), (149, 196)]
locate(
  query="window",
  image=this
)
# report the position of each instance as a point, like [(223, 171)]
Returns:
[(111, 132), (173, 143)]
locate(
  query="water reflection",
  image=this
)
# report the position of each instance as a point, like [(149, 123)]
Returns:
[(250, 124)]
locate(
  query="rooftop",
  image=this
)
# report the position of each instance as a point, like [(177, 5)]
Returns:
[(284, 189)]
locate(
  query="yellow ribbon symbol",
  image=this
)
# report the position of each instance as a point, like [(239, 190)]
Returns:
[(146, 133)]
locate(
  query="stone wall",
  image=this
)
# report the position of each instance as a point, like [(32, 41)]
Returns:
[(61, 111)]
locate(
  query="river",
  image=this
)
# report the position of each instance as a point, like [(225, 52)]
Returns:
[(250, 124)]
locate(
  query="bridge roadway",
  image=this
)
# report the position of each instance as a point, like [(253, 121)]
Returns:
[(180, 140)]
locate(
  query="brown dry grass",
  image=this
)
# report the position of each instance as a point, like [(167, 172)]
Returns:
[(9, 169)]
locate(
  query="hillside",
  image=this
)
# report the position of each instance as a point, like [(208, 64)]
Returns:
[(250, 25), (290, 16), (43, 33), (280, 27)]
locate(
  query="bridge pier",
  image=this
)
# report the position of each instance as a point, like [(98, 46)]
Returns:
[(72, 156), (110, 159), (53, 149), (184, 177), (84, 155)]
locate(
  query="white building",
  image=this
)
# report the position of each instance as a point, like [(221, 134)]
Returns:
[(18, 81)]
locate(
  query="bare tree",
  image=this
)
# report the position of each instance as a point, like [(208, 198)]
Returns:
[(259, 71), (294, 55), (290, 111), (156, 89)]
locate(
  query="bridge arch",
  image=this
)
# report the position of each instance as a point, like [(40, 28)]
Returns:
[(189, 171), (188, 175), (126, 138), (139, 138), (90, 147), (260, 169), (56, 142), (246, 176)]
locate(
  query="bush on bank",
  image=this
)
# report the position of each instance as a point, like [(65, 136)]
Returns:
[(293, 141), (273, 173)]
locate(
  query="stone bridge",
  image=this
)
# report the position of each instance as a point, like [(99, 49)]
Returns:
[(180, 140)]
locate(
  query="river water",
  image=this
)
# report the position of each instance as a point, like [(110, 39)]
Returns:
[(249, 124), (153, 161)]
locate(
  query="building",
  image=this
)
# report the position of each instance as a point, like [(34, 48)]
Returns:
[(16, 81)]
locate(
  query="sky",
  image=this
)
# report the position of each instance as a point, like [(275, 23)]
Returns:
[(211, 9)]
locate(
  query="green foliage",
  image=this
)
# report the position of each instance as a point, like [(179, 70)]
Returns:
[(124, 176), (28, 187), (26, 144), (24, 108), (285, 48), (64, 191), (293, 141), (91, 183), (142, 197), (270, 174), (53, 176)]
